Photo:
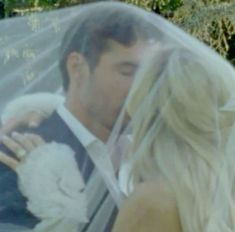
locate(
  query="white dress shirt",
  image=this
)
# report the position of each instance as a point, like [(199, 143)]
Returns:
[(103, 171), (86, 138)]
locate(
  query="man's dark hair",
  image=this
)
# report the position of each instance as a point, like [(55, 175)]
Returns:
[(95, 25)]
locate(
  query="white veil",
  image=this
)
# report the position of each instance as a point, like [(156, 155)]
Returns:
[(29, 64), (29, 58)]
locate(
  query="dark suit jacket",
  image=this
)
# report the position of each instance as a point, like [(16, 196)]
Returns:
[(12, 203)]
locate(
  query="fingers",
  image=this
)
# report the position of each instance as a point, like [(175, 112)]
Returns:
[(8, 161), (22, 144), (14, 147), (37, 140), (23, 141)]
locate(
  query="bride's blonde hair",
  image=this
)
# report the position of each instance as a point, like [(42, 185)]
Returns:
[(182, 131)]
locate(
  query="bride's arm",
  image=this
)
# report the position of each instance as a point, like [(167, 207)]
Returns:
[(151, 208), (29, 110)]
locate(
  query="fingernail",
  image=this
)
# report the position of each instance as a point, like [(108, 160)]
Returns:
[(21, 153)]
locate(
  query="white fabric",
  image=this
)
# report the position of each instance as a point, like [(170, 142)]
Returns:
[(95, 191), (103, 163), (52, 183), (96, 150), (81, 132), (43, 103)]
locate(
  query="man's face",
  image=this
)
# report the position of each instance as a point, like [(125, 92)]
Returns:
[(108, 85)]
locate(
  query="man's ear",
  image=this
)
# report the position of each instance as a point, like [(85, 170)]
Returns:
[(77, 68)]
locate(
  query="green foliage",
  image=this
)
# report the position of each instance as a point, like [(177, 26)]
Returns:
[(162, 6), (169, 5), (159, 6), (211, 21)]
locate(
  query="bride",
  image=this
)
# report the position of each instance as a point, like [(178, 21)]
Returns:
[(180, 167)]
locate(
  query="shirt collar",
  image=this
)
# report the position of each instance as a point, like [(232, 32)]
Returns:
[(79, 130)]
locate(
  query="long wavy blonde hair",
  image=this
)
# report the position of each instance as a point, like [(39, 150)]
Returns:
[(183, 132)]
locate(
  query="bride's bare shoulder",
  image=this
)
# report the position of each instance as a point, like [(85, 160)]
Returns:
[(150, 208)]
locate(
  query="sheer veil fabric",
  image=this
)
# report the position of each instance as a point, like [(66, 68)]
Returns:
[(177, 121)]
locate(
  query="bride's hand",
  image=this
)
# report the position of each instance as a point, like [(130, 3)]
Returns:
[(20, 145), (50, 180)]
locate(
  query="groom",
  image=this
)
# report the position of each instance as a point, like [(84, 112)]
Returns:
[(100, 54)]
